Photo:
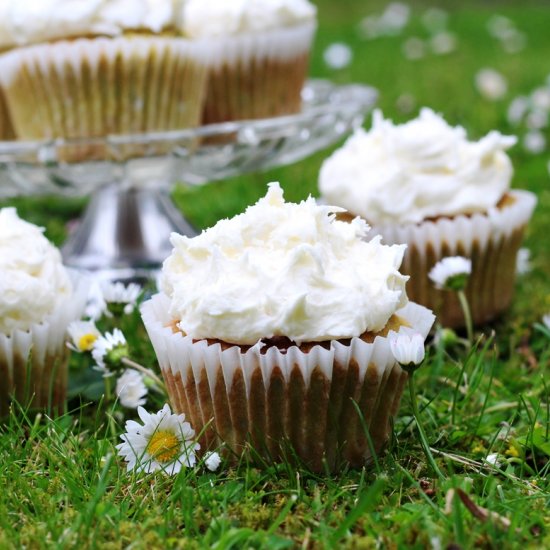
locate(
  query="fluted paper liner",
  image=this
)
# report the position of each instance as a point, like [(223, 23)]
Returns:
[(34, 362), (492, 242), (285, 402), (258, 75), (95, 87), (6, 129)]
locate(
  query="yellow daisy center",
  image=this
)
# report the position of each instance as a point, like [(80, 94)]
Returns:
[(163, 446), (86, 342)]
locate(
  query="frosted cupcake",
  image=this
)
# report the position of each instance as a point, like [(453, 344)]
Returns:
[(261, 50), (90, 68), (270, 325), (424, 184), (38, 299)]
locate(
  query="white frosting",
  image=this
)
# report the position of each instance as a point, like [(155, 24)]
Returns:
[(33, 280), (233, 17), (283, 269), (31, 21), (422, 169)]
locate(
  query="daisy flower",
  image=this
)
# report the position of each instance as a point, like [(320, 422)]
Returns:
[(408, 350), (443, 43), (130, 389), (163, 442), (491, 84), (523, 261), (451, 273), (546, 320), (338, 55), (534, 142), (96, 306), (212, 461), (493, 458), (83, 335), (120, 298), (108, 352)]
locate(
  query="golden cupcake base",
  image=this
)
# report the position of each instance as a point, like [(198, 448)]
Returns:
[(325, 407)]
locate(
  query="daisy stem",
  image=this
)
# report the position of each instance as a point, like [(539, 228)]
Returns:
[(108, 390), (107, 401), (423, 438), (467, 315), (148, 372)]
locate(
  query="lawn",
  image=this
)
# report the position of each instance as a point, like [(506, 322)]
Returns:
[(64, 485)]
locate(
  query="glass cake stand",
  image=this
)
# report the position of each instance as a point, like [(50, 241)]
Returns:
[(124, 232)]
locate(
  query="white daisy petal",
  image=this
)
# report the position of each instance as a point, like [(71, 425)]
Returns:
[(517, 110), (131, 389), (407, 350), (534, 142), (414, 48), (491, 84), (451, 273), (119, 293), (443, 43), (338, 55), (83, 335), (435, 20), (523, 261), (493, 458), (212, 461), (499, 26), (144, 415), (108, 350)]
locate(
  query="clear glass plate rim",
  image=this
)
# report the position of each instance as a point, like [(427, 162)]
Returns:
[(358, 98)]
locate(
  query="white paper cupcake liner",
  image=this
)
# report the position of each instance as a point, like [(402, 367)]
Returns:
[(491, 240), (94, 87), (6, 129), (285, 401), (33, 362), (258, 75)]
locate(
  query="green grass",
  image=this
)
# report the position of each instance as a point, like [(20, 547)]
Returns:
[(64, 486), (67, 488)]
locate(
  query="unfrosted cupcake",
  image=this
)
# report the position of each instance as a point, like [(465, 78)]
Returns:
[(261, 52), (90, 68), (424, 184), (271, 325), (38, 299)]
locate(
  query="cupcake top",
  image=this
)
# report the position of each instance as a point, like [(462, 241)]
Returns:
[(422, 169), (217, 18), (25, 22), (283, 269), (33, 281)]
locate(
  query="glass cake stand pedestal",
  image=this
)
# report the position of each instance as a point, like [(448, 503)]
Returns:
[(124, 232)]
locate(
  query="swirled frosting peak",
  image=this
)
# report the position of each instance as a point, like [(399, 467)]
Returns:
[(226, 18), (33, 280), (422, 169), (283, 269)]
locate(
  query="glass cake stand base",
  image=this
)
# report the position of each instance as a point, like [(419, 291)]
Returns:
[(125, 233)]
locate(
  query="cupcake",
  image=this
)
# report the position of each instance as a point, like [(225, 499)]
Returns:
[(38, 299), (261, 51), (272, 327), (424, 184), (83, 69)]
